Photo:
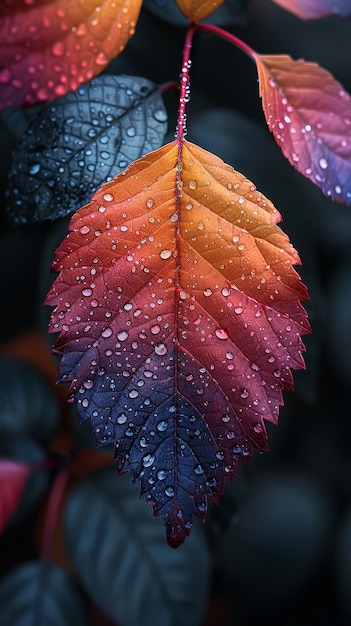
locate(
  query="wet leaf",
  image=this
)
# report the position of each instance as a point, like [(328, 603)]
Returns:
[(309, 114), (179, 317), (13, 476), (313, 9), (81, 141), (48, 48), (229, 13), (197, 10), (150, 584), (40, 594)]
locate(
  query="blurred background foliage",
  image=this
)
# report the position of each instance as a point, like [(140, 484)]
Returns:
[(278, 548)]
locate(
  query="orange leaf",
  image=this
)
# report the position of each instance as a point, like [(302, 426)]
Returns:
[(179, 317), (197, 10), (50, 47)]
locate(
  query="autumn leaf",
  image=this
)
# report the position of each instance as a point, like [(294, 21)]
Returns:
[(313, 9), (197, 10), (309, 114), (178, 310), (50, 47), (13, 476), (81, 141)]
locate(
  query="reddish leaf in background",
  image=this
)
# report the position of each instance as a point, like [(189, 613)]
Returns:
[(50, 47), (13, 476), (309, 114), (179, 317), (314, 9)]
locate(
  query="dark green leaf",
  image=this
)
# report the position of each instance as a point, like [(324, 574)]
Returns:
[(123, 561), (27, 404), (37, 594)]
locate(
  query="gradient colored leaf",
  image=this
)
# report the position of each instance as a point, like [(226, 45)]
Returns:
[(314, 9), (179, 317), (197, 10), (309, 114), (13, 477), (81, 141), (50, 47)]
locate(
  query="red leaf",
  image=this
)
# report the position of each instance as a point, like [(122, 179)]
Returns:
[(309, 114), (13, 476), (50, 47), (313, 9), (179, 317)]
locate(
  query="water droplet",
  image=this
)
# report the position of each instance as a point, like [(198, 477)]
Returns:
[(148, 460), (244, 393), (87, 292), (101, 59), (198, 469), (155, 329), (108, 197), (122, 418), (58, 49), (160, 115), (107, 332), (133, 394), (162, 474), (338, 189), (192, 184), (162, 426), (207, 292), (238, 310), (88, 383), (165, 254), (131, 132), (169, 491), (160, 349), (84, 230), (323, 164), (34, 169), (221, 334), (122, 335), (258, 428), (149, 203)]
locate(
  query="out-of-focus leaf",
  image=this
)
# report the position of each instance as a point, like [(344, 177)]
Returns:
[(81, 141), (27, 404), (50, 47), (196, 10), (180, 319), (38, 594), (314, 9), (230, 12), (13, 476), (123, 562), (22, 450), (309, 114)]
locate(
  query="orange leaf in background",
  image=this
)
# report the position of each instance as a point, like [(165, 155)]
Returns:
[(13, 476), (50, 47), (309, 114), (197, 10), (179, 315)]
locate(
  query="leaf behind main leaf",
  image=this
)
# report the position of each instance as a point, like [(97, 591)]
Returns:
[(309, 114), (314, 9), (81, 141), (179, 317), (48, 48)]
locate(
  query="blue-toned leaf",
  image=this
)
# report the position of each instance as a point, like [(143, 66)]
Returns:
[(123, 561), (27, 404), (81, 141), (37, 594), (314, 9)]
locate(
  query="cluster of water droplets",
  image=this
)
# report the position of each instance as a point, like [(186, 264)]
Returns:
[(78, 143)]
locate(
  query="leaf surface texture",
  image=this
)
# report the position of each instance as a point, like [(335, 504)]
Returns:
[(309, 114), (314, 9), (179, 315)]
